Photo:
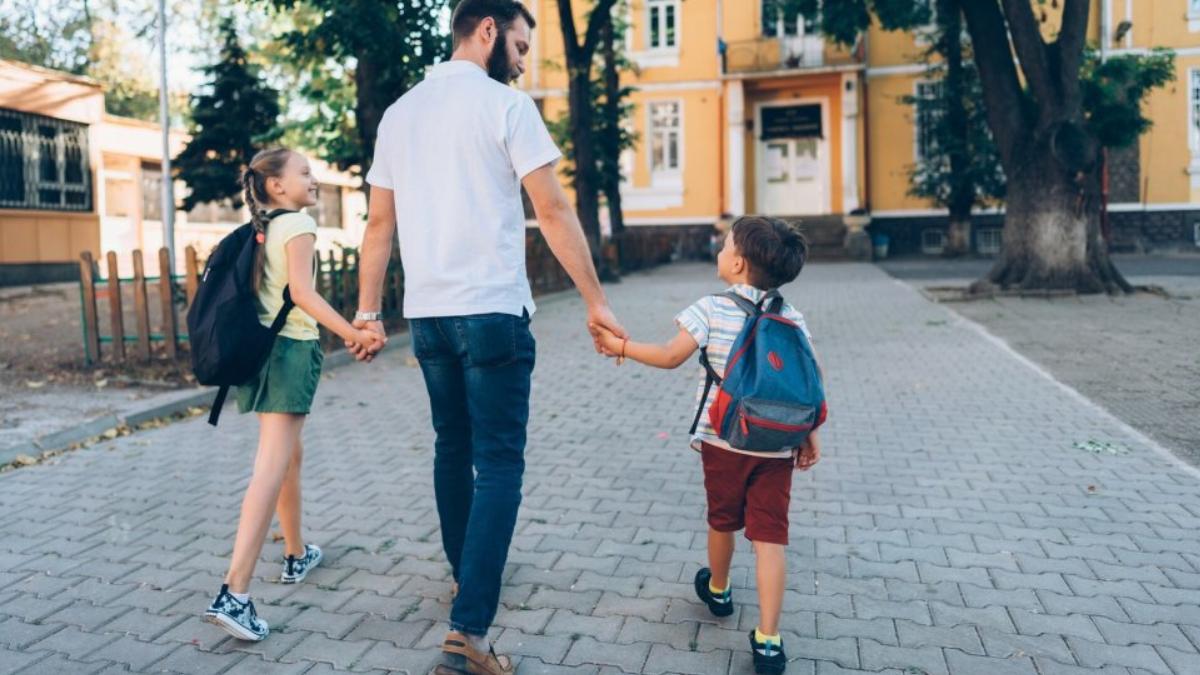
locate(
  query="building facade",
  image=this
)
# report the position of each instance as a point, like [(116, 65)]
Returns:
[(74, 179), (741, 111)]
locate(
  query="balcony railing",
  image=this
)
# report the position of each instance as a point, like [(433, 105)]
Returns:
[(789, 53)]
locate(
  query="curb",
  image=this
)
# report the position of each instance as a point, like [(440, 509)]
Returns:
[(171, 403), (153, 408)]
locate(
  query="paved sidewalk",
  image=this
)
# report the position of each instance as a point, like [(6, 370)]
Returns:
[(952, 527)]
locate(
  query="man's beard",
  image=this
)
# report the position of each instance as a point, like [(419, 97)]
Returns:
[(498, 67)]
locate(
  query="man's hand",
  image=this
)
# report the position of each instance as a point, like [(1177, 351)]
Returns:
[(810, 452), (360, 352), (601, 316)]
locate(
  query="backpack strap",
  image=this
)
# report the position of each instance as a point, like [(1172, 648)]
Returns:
[(710, 376), (772, 302), (752, 310)]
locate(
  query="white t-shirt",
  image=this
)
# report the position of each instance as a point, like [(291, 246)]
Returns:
[(454, 149)]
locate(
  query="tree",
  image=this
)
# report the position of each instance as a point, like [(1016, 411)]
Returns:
[(372, 50), (130, 90), (230, 122), (46, 35), (1050, 153), (581, 116), (611, 134), (960, 168)]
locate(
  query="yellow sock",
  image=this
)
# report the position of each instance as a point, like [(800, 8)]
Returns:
[(715, 589), (763, 638)]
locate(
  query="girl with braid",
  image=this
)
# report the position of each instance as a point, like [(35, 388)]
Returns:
[(278, 184)]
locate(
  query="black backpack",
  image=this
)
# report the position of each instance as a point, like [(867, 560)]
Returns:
[(229, 345)]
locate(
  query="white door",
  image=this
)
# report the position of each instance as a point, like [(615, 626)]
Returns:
[(793, 176)]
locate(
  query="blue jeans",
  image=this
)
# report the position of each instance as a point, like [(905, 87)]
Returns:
[(477, 370)]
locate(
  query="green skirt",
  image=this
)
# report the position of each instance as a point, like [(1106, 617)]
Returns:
[(287, 381)]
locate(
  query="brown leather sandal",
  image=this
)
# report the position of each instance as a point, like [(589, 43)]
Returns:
[(459, 657)]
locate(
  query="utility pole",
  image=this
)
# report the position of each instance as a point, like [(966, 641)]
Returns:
[(164, 116)]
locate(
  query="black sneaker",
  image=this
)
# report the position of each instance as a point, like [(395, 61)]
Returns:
[(719, 605), (237, 618), (295, 569), (769, 659)]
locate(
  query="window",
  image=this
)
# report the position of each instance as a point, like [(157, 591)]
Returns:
[(932, 241), (152, 191), (215, 212), (988, 241), (328, 211), (663, 23), (1194, 106), (780, 19), (928, 116), (665, 139), (43, 163), (1194, 7)]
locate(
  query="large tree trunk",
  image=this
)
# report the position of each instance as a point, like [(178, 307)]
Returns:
[(962, 189), (587, 194), (612, 114), (1052, 238)]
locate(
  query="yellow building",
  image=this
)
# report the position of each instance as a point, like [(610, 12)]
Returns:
[(784, 122), (74, 179)]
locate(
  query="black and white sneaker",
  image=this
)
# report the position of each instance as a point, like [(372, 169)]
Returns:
[(719, 605), (237, 618), (769, 658), (295, 569)]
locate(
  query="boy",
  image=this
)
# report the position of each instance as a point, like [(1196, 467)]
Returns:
[(745, 489)]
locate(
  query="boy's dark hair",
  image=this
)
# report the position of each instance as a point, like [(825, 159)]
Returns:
[(774, 249), (469, 13)]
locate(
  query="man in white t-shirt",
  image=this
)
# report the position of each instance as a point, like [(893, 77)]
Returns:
[(451, 157)]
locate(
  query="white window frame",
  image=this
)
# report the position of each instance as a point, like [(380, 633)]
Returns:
[(672, 176), (781, 26), (662, 6), (931, 249), (989, 240), (918, 154)]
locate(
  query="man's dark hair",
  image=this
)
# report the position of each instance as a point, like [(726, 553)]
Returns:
[(775, 250), (469, 13)]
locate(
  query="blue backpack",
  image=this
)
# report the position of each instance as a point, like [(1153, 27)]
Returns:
[(771, 396)]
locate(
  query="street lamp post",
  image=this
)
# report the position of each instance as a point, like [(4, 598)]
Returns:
[(168, 197)]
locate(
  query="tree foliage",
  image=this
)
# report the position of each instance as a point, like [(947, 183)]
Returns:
[(351, 59), (232, 120)]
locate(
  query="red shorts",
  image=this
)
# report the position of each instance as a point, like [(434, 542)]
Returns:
[(750, 492)]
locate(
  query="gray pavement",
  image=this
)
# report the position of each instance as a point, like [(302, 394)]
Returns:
[(1136, 355), (953, 526)]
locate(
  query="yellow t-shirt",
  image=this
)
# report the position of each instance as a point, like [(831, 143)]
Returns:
[(280, 231)]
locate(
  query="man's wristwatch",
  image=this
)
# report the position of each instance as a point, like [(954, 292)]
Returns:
[(368, 316)]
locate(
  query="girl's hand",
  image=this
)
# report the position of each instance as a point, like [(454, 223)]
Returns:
[(608, 341), (810, 453), (368, 341)]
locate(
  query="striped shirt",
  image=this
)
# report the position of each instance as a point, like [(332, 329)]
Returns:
[(715, 322)]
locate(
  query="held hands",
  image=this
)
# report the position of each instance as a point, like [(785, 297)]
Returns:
[(810, 453), (600, 317), (608, 343), (369, 339)]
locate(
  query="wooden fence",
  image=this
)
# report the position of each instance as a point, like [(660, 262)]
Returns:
[(337, 282)]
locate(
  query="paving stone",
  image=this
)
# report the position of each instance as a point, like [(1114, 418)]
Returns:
[(71, 642), (135, 654), (1134, 656), (1034, 623), (961, 663), (664, 659), (189, 659), (16, 634), (881, 630), (629, 658), (1159, 634), (963, 637), (339, 653), (928, 659), (602, 628)]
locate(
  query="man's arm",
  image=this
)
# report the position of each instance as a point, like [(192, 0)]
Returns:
[(564, 235), (374, 254)]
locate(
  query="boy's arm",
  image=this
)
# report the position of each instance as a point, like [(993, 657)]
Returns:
[(669, 355)]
